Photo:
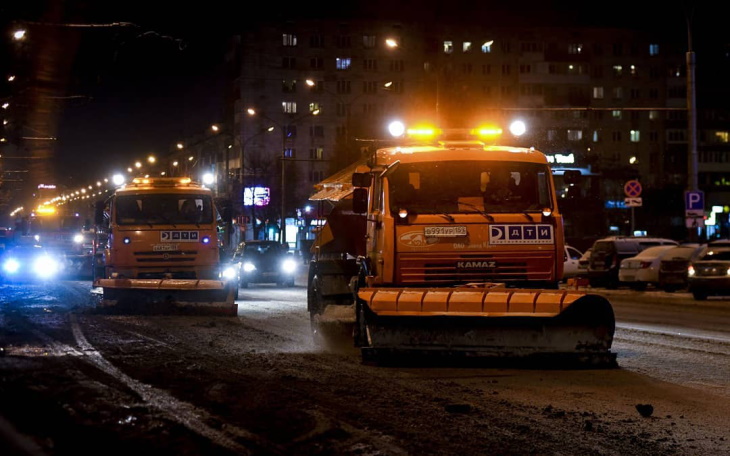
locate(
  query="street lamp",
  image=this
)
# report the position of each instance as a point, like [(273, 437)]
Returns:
[(283, 129)]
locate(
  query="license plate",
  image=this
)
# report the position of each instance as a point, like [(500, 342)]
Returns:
[(444, 231), (164, 247)]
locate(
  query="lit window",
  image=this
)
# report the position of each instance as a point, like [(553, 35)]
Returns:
[(289, 152), (575, 48), (466, 46), (317, 153), (289, 107), (448, 47), (616, 114), (722, 136), (618, 70), (575, 135), (634, 136), (596, 137), (653, 49), (343, 63), (314, 107), (289, 39), (598, 92), (487, 47), (653, 114)]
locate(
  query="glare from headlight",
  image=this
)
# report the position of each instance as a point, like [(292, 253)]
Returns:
[(229, 273), (79, 238), (289, 266), (45, 267), (11, 266), (249, 267)]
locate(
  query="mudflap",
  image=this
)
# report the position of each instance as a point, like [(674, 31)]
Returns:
[(580, 336), (197, 297)]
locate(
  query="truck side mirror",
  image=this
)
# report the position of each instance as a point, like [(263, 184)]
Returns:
[(360, 200), (361, 179), (99, 212)]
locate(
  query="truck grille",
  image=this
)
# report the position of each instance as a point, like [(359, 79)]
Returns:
[(448, 268), (174, 256)]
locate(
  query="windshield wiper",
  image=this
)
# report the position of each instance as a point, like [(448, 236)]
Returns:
[(478, 209)]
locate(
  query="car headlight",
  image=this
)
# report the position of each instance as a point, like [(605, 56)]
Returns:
[(289, 266), (229, 273), (78, 239), (248, 267), (45, 266), (11, 266)]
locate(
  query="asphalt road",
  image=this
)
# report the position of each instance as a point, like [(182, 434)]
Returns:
[(76, 381)]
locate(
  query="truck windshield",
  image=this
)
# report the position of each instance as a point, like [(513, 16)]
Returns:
[(469, 186), (163, 209)]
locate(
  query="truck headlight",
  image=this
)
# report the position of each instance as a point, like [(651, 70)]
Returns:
[(45, 266), (249, 267), (229, 273), (289, 266), (11, 266)]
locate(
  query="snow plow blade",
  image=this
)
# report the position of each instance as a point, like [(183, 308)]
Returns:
[(208, 297), (496, 322)]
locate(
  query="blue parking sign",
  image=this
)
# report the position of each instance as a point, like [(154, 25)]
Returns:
[(694, 202)]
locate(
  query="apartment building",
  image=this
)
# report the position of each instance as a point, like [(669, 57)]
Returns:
[(310, 96)]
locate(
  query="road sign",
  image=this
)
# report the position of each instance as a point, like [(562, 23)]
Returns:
[(694, 203), (632, 188), (632, 202)]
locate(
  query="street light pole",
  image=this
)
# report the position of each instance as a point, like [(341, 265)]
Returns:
[(283, 129), (692, 124)]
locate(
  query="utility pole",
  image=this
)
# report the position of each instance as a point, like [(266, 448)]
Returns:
[(692, 125)]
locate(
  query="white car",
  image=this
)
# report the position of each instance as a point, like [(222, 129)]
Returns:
[(570, 262), (642, 270)]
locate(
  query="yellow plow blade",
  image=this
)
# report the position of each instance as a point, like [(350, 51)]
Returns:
[(165, 295), (486, 322)]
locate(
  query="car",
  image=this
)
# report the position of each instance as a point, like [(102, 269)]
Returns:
[(265, 261), (642, 270), (570, 263), (709, 273), (583, 263), (607, 253), (29, 263), (673, 266)]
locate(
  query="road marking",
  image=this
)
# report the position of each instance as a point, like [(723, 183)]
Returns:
[(181, 412)]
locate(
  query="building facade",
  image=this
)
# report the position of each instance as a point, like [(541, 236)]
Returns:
[(310, 96)]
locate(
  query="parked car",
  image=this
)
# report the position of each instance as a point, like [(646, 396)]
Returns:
[(709, 274), (570, 262), (607, 253), (265, 262), (29, 263), (642, 270), (583, 263), (673, 266)]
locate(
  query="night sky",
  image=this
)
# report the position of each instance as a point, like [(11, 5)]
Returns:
[(135, 90)]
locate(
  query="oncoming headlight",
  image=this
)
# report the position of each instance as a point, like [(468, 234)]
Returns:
[(79, 238), (289, 266), (45, 266), (11, 266), (248, 266)]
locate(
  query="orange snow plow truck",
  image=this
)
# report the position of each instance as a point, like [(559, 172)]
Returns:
[(450, 247), (157, 248)]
